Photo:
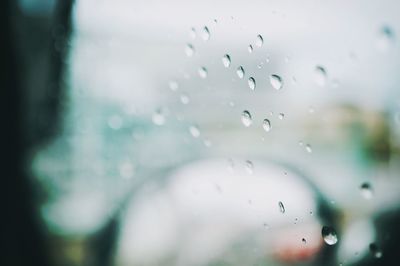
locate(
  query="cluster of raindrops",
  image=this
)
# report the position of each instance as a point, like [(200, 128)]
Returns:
[(329, 235)]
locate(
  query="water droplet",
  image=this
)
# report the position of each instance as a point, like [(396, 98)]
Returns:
[(250, 48), (158, 117), (249, 166), (189, 50), (259, 40), (366, 190), (311, 109), (184, 98), (375, 250), (126, 170), (207, 143), (115, 122), (203, 72), (304, 241), (329, 235), (240, 72), (252, 83), (385, 38), (266, 226), (266, 125), (173, 85), (281, 207), (194, 131), (226, 60), (246, 118), (320, 76), (301, 143), (276, 82), (281, 116), (308, 148), (260, 65), (193, 33), (206, 33)]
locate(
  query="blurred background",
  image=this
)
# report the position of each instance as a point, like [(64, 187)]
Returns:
[(200, 132)]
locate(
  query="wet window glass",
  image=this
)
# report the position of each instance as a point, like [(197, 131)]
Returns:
[(213, 133)]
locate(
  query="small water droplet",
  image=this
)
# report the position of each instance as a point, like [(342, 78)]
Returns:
[(252, 83), (304, 241), (249, 167), (158, 117), (203, 73), (189, 50), (206, 33), (115, 122), (266, 125), (207, 143), (250, 48), (240, 72), (366, 190), (194, 131), (192, 33), (126, 170), (301, 143), (308, 148), (276, 81), (329, 235), (375, 250), (226, 60), (311, 109), (320, 76), (173, 85), (184, 98), (259, 40), (281, 116), (386, 38), (281, 207), (246, 118)]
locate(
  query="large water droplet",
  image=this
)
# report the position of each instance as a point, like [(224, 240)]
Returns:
[(194, 131), (206, 33), (366, 190), (252, 83), (240, 72), (246, 118), (266, 125), (226, 60), (249, 166), (250, 48), (259, 40), (158, 117), (375, 250), (203, 72), (386, 38), (308, 148), (281, 207), (276, 82), (320, 75), (189, 50), (329, 235)]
